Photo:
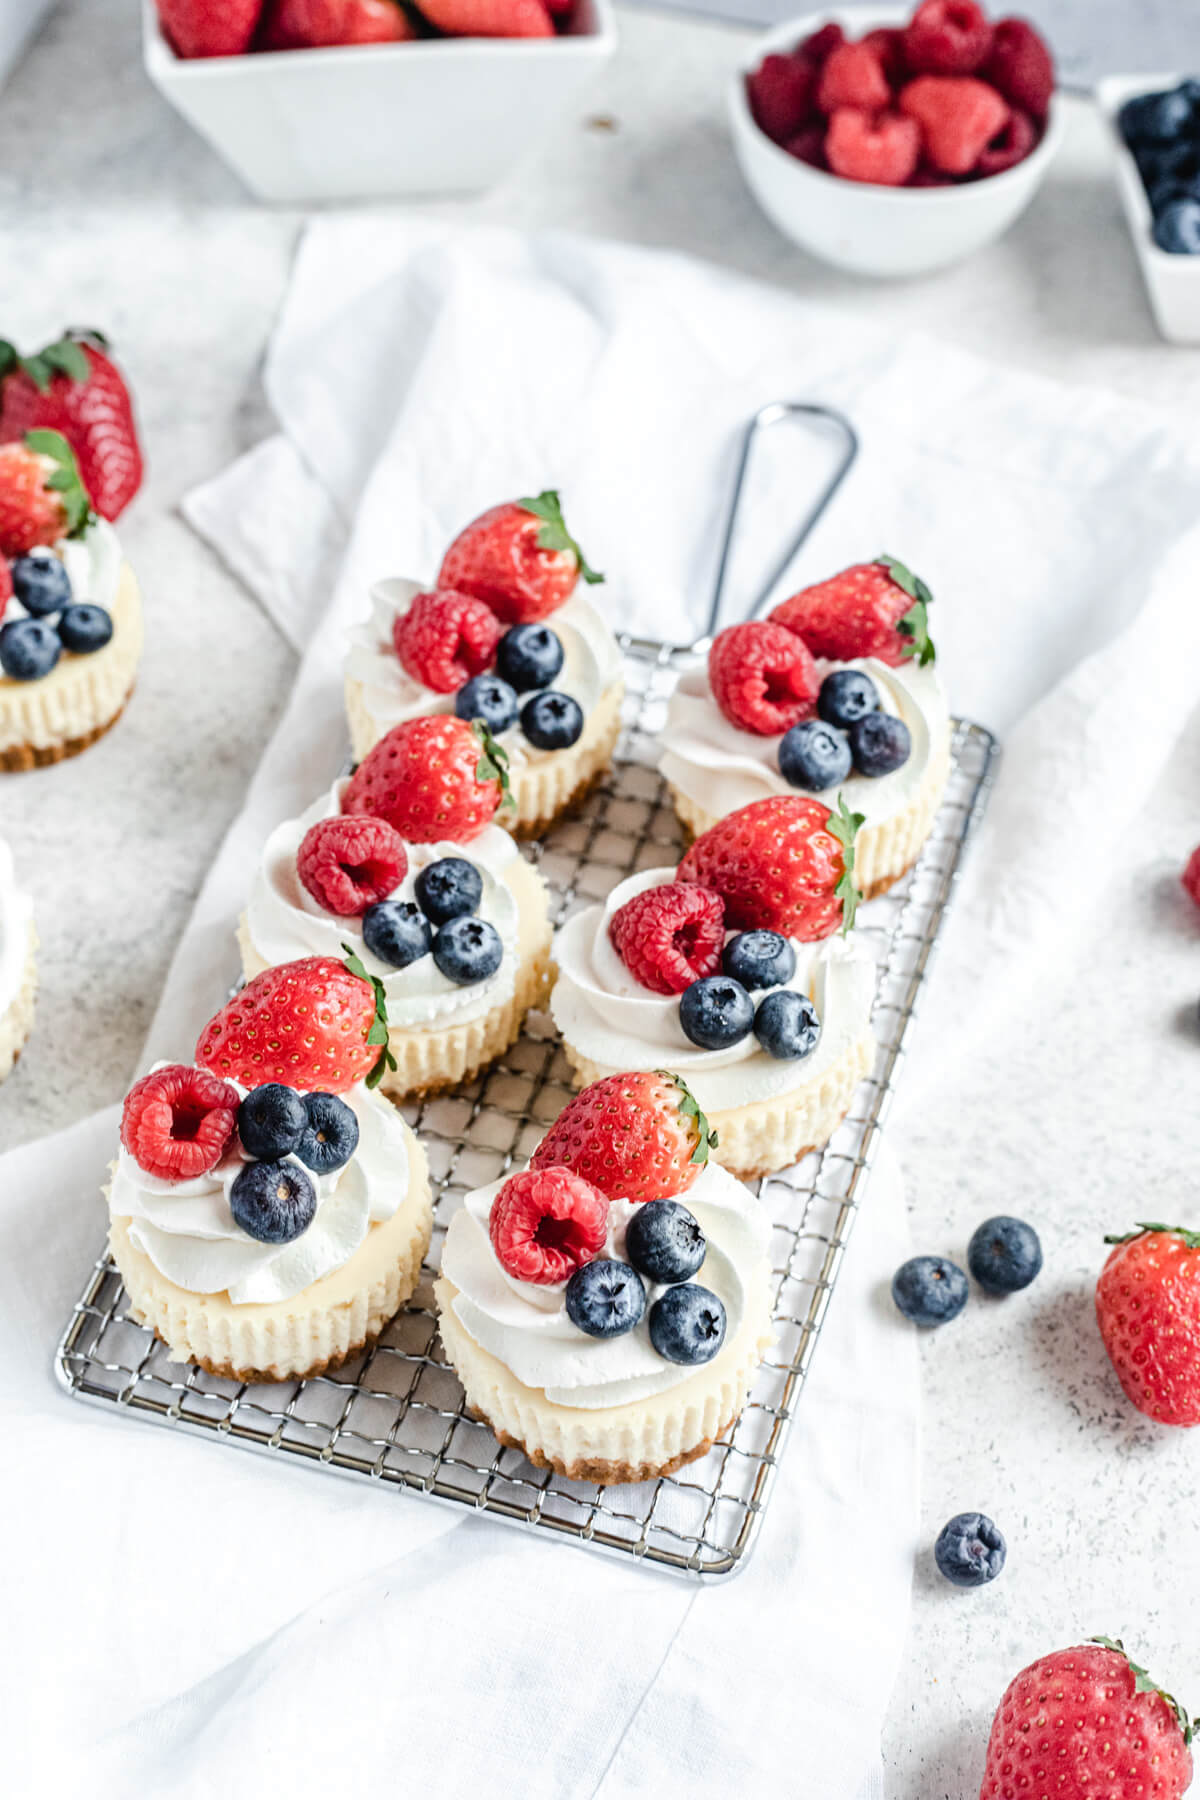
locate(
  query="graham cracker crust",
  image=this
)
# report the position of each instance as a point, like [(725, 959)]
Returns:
[(22, 757), (596, 1469), (266, 1377), (534, 828)]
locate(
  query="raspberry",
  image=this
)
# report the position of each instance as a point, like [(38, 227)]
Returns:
[(808, 146), (757, 679), (178, 1122), (1020, 66), (1011, 145), (853, 76), (546, 1223), (444, 638), (888, 44), (927, 177), (947, 37), (351, 862), (780, 92), (958, 117), (883, 150), (670, 936), (820, 44), (1191, 875)]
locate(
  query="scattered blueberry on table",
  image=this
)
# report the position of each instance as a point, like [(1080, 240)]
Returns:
[(1004, 1255), (929, 1290), (970, 1550)]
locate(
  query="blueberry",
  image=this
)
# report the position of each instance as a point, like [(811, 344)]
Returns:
[(969, 1550), (274, 1202), (879, 743), (41, 584), (759, 959), (489, 698), (716, 1012), (448, 888), (846, 695), (1177, 228), (468, 949), (29, 648), (605, 1298), (664, 1242), (786, 1025), (814, 756), (1156, 118), (1004, 1255), (529, 656), (929, 1290), (397, 932), (270, 1120), (330, 1135), (84, 628), (552, 721), (687, 1324)]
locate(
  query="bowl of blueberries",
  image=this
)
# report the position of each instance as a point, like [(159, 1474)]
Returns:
[(1156, 126)]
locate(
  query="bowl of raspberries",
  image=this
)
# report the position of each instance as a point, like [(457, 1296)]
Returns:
[(889, 142)]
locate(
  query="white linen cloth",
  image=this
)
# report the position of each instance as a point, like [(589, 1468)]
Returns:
[(202, 1622)]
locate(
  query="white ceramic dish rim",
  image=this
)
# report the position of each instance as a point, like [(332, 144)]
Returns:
[(1112, 93), (870, 18)]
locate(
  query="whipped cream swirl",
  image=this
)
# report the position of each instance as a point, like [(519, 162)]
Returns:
[(606, 1014), (525, 1325), (721, 768), (188, 1231), (591, 663), (16, 917), (285, 921)]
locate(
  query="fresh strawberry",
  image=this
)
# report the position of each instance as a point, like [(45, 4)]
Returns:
[(490, 18), (519, 558), (1191, 873), (881, 148), (178, 1122), (1148, 1310), (6, 584), (318, 1025), (781, 92), (785, 864), (1087, 1724), (947, 37), (958, 116), (887, 41), (759, 681), (328, 24), (547, 1222), (435, 779), (73, 386), (875, 609), (853, 76), (637, 1136), (1021, 67), (446, 637), (41, 496), (1010, 146), (820, 44), (208, 28), (351, 862), (670, 936)]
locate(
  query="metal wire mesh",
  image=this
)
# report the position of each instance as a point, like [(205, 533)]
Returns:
[(396, 1416)]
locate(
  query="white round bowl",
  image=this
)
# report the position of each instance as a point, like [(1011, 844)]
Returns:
[(855, 225)]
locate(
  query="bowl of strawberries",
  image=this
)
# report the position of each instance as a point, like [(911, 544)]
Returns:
[(890, 142), (325, 100)]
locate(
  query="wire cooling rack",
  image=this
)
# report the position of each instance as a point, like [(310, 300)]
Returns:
[(396, 1416)]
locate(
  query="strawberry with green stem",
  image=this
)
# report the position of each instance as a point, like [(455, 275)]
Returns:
[(519, 558), (74, 386), (878, 609)]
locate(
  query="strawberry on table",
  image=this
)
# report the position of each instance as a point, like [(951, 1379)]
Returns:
[(670, 936), (433, 779), (1191, 873), (317, 1025), (637, 1136), (1148, 1311), (446, 637), (329, 24), (875, 609), (762, 677), (209, 27), (73, 386), (785, 864), (42, 498), (1087, 1724), (958, 115), (519, 558)]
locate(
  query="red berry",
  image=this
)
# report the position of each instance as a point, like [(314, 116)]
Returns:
[(780, 92), (73, 386), (1021, 67), (209, 27), (31, 513), (311, 1024), (546, 1223), (758, 680), (1148, 1310), (926, 177), (519, 558), (326, 24), (958, 116), (883, 149), (178, 1122), (635, 1136), (777, 865), (349, 863), (1010, 146), (1086, 1724), (808, 146), (947, 37), (434, 779), (855, 613), (888, 44), (820, 44), (444, 638), (490, 18), (670, 936), (853, 76), (1191, 875)]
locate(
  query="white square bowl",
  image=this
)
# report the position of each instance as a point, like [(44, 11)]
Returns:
[(1172, 282), (436, 116)]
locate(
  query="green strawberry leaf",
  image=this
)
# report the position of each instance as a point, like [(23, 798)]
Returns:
[(65, 357), (845, 825), (915, 623), (378, 1033), (66, 480), (689, 1108), (9, 358), (1145, 1684), (554, 534), (493, 763), (1190, 1238)]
